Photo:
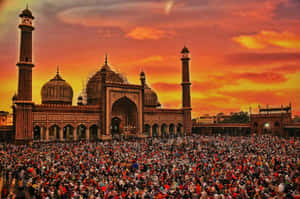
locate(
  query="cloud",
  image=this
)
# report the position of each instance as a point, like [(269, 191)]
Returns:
[(287, 69), (276, 96), (213, 104), (143, 33), (166, 87), (169, 6), (206, 86), (288, 10), (263, 77), (151, 59), (110, 32), (112, 14), (216, 82), (254, 59), (197, 86), (269, 38), (226, 79)]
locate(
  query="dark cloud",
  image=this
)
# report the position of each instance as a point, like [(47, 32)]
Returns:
[(287, 69), (288, 10), (264, 77)]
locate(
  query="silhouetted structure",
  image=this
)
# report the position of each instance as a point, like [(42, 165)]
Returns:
[(113, 108)]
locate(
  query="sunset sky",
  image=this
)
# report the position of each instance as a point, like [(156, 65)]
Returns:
[(243, 53)]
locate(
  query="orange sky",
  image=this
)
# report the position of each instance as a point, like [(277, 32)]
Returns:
[(244, 53)]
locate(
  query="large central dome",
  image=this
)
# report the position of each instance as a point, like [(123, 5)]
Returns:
[(94, 85)]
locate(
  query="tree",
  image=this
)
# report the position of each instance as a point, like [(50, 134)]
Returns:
[(239, 117), (296, 118)]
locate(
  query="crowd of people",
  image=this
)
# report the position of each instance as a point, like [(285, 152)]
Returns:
[(185, 167)]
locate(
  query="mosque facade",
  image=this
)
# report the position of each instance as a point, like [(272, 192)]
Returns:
[(113, 107)]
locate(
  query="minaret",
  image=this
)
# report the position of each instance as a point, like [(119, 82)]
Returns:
[(143, 83), (25, 64), (23, 103), (186, 92), (103, 118)]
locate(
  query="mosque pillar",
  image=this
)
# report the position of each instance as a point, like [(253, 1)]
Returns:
[(98, 133), (88, 134), (159, 131), (75, 134), (42, 136), (150, 131)]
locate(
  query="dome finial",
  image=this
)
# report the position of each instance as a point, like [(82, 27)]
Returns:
[(57, 70), (27, 6), (105, 58)]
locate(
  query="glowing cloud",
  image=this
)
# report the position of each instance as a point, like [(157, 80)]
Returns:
[(269, 38), (169, 6), (142, 33)]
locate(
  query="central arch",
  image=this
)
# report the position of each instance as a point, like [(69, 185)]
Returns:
[(124, 117)]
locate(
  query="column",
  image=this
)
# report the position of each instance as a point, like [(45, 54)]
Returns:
[(159, 131), (47, 134), (150, 131), (42, 134), (87, 134), (75, 134), (99, 133)]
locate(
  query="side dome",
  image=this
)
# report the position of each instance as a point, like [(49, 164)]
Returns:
[(150, 97), (94, 85), (57, 91)]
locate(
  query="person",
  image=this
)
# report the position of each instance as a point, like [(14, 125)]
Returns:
[(260, 166)]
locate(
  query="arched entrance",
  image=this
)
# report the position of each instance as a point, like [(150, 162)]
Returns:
[(179, 129), (81, 132), (115, 126), (147, 130), (68, 133), (267, 128), (155, 130), (54, 132), (124, 117), (93, 133), (164, 130), (172, 130), (36, 133)]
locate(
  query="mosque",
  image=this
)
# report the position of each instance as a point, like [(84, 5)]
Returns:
[(113, 107)]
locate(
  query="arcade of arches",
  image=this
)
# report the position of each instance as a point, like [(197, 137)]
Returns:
[(66, 133), (91, 133)]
